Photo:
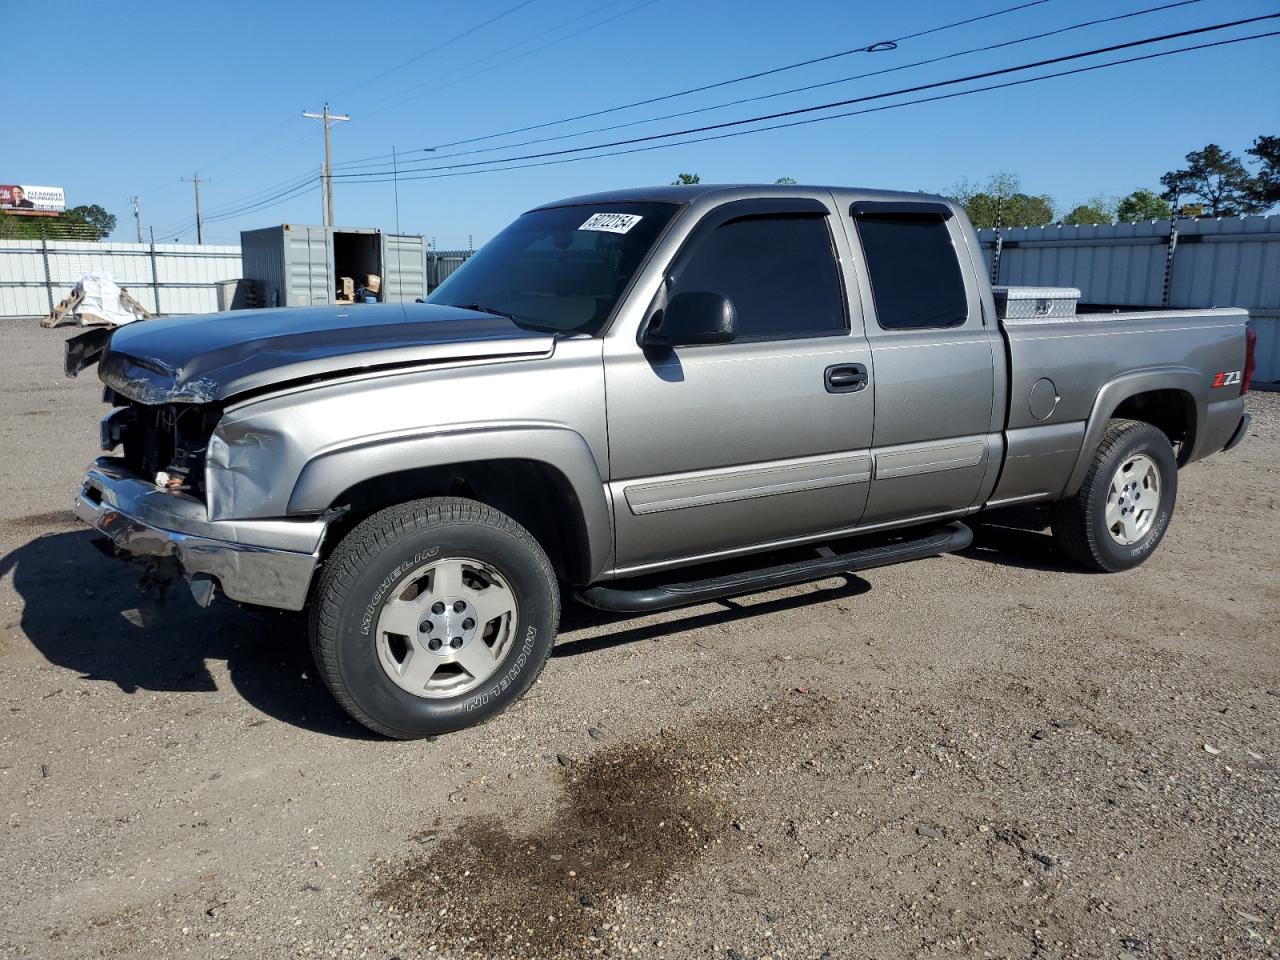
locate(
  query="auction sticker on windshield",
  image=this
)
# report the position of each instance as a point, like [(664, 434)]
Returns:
[(611, 222)]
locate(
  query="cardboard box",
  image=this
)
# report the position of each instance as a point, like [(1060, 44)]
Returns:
[(346, 289), (373, 283)]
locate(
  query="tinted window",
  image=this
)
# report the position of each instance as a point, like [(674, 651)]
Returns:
[(561, 269), (779, 272), (915, 275)]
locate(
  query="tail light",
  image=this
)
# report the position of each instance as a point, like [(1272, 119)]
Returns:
[(1250, 358)]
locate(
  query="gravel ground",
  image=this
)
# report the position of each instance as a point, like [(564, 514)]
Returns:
[(980, 755)]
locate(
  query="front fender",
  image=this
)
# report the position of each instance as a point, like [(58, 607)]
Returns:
[(326, 476)]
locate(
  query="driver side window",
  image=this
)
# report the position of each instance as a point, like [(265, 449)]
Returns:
[(780, 273)]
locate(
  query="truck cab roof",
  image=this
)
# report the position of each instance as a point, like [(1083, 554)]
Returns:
[(690, 193)]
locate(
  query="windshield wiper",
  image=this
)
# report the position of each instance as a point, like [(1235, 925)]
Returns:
[(522, 324), (483, 309)]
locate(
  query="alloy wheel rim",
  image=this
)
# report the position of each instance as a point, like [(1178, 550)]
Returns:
[(1133, 500), (447, 628)]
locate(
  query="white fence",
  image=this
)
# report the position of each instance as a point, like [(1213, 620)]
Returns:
[(1225, 262), (166, 278)]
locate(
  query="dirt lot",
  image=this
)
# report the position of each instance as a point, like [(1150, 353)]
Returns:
[(986, 755)]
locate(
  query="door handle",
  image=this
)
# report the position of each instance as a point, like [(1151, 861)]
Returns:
[(845, 378)]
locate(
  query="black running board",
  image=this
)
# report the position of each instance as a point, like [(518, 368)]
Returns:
[(620, 599)]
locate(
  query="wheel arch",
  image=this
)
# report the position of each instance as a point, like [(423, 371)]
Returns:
[(545, 478), (1172, 399)]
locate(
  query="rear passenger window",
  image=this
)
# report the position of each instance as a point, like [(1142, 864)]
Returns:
[(779, 271), (915, 274)]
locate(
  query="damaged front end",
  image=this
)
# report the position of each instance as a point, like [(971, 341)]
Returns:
[(167, 443), (151, 381), (195, 479), (265, 562), (151, 499)]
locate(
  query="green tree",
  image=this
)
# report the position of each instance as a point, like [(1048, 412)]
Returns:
[(90, 222), (1265, 186), (95, 216), (786, 181), (1217, 178), (1142, 205), (685, 179), (1097, 210), (1002, 198)]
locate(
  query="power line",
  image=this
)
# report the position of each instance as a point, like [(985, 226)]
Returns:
[(176, 229), (433, 86), (214, 212), (852, 100), (722, 83), (439, 46), (294, 189), (233, 207), (850, 113), (276, 132), (812, 86), (272, 201), (256, 141), (293, 181), (879, 46), (778, 126), (228, 214), (309, 188), (549, 30)]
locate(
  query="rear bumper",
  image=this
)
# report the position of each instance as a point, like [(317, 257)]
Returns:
[(267, 562), (1241, 429)]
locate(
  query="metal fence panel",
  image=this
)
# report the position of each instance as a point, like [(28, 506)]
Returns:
[(442, 263), (1223, 262), (1122, 264), (1228, 263), (36, 274)]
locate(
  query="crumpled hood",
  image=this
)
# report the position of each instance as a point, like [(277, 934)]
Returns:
[(211, 357)]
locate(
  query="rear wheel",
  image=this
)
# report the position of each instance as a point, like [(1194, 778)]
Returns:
[(432, 616), (1123, 507)]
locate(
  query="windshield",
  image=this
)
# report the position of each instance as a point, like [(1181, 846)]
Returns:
[(561, 269)]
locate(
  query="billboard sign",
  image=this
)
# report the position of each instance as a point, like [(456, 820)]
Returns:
[(32, 201)]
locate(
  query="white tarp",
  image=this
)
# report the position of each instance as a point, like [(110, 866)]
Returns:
[(102, 300)]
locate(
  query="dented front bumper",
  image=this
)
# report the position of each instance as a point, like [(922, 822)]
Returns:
[(267, 562)]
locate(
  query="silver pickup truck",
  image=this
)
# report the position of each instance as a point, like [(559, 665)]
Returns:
[(647, 398)]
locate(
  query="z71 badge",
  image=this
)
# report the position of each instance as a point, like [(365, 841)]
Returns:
[(1226, 379)]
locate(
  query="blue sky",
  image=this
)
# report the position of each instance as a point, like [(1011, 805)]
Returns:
[(219, 89)]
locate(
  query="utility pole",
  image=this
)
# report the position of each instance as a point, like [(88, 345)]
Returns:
[(195, 179), (323, 195), (328, 119), (137, 217)]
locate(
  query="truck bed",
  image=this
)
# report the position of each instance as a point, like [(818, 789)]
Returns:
[(1085, 359)]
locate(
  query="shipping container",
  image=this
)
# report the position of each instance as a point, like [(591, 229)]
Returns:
[(294, 265)]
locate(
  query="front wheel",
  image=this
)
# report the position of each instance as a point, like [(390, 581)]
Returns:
[(432, 616), (1122, 510)]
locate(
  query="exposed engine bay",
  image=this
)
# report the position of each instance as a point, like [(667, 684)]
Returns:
[(166, 443)]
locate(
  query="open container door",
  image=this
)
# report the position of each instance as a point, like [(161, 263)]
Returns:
[(404, 266)]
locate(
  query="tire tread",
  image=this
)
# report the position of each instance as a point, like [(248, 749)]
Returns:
[(362, 545), (1072, 530)]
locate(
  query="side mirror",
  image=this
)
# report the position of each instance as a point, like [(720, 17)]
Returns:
[(693, 317)]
